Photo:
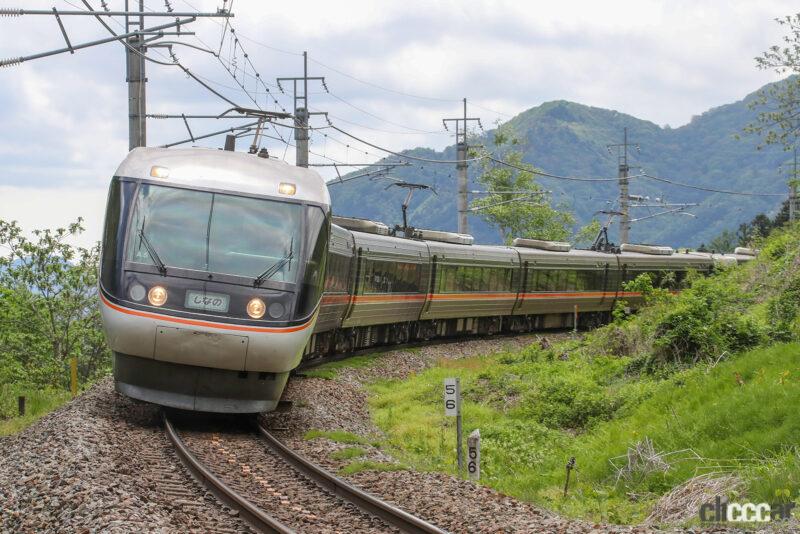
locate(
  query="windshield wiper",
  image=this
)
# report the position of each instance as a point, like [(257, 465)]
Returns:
[(277, 266), (152, 252)]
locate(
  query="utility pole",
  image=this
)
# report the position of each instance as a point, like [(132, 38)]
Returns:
[(461, 166), (301, 112), (135, 42), (793, 191), (136, 78), (624, 207)]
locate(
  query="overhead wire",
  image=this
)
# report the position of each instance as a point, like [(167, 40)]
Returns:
[(712, 190), (404, 156)]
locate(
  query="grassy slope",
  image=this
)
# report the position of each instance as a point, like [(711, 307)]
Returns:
[(732, 427), (38, 403), (658, 375)]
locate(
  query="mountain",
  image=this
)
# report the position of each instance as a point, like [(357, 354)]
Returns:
[(570, 139)]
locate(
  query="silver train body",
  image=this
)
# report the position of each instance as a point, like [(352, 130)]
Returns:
[(203, 226), (222, 271)]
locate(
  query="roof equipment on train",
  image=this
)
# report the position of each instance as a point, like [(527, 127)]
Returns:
[(361, 225), (656, 250), (446, 237), (745, 251), (556, 246)]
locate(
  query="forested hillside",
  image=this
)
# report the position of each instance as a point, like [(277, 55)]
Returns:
[(567, 138)]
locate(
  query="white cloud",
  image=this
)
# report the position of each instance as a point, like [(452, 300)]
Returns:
[(55, 208), (63, 128)]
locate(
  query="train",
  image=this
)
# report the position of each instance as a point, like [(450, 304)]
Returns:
[(222, 271)]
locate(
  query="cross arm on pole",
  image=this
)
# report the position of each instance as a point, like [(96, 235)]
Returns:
[(11, 12), (63, 31), (72, 48)]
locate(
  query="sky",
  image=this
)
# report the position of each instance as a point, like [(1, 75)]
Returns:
[(393, 69)]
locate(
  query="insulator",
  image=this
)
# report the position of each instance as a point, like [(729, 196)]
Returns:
[(10, 12), (10, 62), (157, 116)]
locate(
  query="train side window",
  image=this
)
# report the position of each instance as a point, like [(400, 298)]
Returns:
[(482, 280), (534, 279), (506, 279), (580, 280), (597, 280), (541, 280), (448, 277), (497, 276), (465, 278), (570, 280), (555, 281), (402, 282)]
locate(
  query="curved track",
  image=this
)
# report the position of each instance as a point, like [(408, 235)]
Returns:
[(256, 517), (293, 476)]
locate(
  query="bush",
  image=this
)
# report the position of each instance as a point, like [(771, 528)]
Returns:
[(569, 401)]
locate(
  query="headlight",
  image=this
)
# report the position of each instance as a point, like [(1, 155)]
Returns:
[(137, 292), (157, 295), (285, 188), (159, 172), (256, 308)]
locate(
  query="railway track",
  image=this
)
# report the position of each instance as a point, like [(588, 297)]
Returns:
[(274, 489)]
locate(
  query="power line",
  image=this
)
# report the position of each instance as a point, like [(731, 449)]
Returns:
[(387, 121), (710, 189), (556, 176), (405, 156)]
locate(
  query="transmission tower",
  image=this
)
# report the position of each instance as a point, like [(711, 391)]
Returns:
[(301, 112), (461, 149)]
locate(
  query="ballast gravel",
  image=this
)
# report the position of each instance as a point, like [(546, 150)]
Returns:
[(102, 463)]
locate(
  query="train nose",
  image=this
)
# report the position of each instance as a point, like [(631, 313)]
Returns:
[(204, 349)]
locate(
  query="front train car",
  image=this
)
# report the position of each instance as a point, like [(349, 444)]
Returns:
[(211, 275)]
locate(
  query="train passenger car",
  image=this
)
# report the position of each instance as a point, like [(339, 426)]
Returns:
[(473, 286), (557, 278), (391, 283), (211, 275)]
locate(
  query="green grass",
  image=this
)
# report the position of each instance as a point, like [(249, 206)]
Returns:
[(339, 436), (535, 411), (328, 371), (368, 465), (348, 453), (38, 403)]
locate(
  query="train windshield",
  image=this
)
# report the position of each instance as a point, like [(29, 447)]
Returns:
[(214, 232)]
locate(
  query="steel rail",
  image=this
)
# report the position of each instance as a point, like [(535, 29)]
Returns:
[(366, 502), (252, 514)]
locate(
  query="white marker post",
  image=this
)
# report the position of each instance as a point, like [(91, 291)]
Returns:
[(452, 408), (474, 455)]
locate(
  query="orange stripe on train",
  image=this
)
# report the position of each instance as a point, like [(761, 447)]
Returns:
[(206, 324)]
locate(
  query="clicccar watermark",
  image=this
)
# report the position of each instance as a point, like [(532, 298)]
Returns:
[(721, 511)]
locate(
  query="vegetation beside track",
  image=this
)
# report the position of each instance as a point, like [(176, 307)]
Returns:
[(49, 316), (709, 378), (38, 402)]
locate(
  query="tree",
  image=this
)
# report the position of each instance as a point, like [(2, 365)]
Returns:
[(778, 121), (515, 203), (724, 242), (48, 307)]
